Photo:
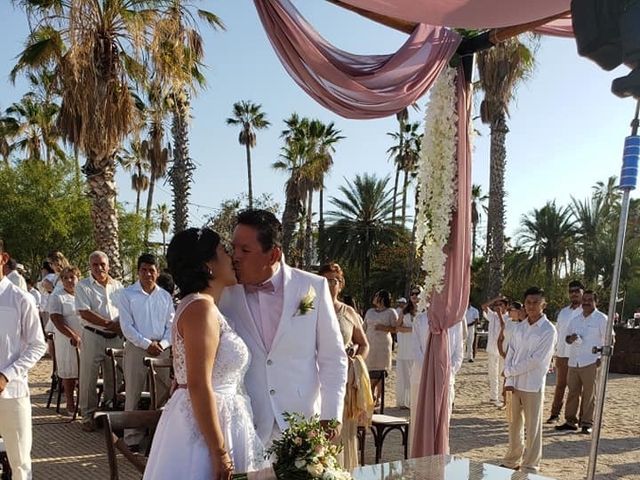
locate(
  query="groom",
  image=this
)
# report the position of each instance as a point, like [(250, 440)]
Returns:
[(286, 318)]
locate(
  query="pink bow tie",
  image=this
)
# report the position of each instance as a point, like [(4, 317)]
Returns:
[(266, 287)]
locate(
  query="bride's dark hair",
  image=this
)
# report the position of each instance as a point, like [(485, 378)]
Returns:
[(187, 254)]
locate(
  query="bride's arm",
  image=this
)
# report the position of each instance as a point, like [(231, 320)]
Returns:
[(200, 329)]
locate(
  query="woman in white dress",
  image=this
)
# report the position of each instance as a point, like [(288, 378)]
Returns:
[(65, 318), (206, 429)]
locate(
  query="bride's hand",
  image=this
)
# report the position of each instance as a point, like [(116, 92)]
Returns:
[(222, 466)]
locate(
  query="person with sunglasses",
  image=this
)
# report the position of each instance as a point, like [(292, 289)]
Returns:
[(574, 309)]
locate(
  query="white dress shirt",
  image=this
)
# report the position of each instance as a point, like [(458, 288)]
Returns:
[(36, 295), (266, 307), (21, 339), (494, 331), (101, 300), (146, 317), (17, 279), (421, 334), (472, 315), (562, 324), (529, 355), (592, 331)]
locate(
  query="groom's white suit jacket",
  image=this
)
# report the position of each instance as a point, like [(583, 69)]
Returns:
[(306, 369)]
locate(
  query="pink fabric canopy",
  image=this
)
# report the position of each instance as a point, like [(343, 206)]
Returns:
[(356, 86), (431, 431), (470, 14)]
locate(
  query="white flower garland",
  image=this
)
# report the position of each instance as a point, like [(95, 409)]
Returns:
[(437, 181)]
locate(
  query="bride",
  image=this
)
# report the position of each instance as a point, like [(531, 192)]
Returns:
[(206, 429)]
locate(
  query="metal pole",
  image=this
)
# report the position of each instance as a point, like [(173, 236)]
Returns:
[(628, 180)]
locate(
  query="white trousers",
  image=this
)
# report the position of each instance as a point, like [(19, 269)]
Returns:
[(495, 367), (15, 430), (471, 335), (403, 383)]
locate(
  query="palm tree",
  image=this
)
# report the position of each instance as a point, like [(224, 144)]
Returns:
[(95, 49), (501, 69), (395, 152), (163, 217), (548, 233), (135, 160), (177, 53), (250, 117), (477, 198), (361, 224)]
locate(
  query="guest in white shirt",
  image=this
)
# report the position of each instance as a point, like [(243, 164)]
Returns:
[(585, 332), (146, 315), (404, 353), (471, 317), (10, 269), (37, 296), (525, 369), (96, 302), (574, 309), (21, 346), (420, 336), (493, 310)]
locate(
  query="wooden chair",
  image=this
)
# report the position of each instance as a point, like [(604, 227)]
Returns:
[(116, 356), (113, 422), (381, 426), (4, 462), (153, 364), (56, 382)]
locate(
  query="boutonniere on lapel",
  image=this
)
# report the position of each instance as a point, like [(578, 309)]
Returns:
[(306, 302)]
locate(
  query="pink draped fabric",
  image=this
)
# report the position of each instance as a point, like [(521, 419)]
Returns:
[(561, 27), (356, 86), (470, 14), (431, 431)]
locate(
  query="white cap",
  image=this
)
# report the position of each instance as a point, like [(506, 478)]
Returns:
[(402, 300)]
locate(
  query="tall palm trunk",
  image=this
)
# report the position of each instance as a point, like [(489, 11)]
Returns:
[(147, 217), (321, 240), (412, 256), (548, 266), (405, 187), (495, 217), (474, 236), (289, 218), (395, 193), (299, 252), (308, 233), (102, 192), (250, 182), (181, 171)]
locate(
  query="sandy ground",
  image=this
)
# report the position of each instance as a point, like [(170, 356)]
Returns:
[(478, 432)]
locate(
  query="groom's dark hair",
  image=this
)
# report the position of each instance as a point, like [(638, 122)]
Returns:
[(266, 224)]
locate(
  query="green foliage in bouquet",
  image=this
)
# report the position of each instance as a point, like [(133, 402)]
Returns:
[(304, 452)]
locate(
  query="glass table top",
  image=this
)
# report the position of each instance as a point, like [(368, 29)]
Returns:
[(439, 467)]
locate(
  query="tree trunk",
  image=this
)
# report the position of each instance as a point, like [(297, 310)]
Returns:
[(308, 233), (474, 232), (248, 147), (104, 215), (395, 195), (411, 258), (548, 266), (138, 192), (164, 244), (181, 171), (405, 186), (289, 218), (147, 218), (299, 253), (495, 217), (321, 240)]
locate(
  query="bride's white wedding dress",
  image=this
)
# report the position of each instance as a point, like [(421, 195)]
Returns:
[(179, 450)]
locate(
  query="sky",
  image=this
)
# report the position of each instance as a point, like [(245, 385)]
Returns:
[(566, 128)]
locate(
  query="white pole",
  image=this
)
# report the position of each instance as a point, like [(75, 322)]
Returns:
[(628, 179)]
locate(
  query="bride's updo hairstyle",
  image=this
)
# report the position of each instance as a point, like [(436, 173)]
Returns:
[(187, 255)]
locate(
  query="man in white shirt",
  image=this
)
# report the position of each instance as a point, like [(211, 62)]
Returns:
[(96, 303), (21, 346), (585, 332), (471, 317), (565, 316), (525, 369), (146, 315), (493, 310), (11, 272)]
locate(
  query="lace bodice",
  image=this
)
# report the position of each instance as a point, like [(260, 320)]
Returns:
[(232, 358)]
